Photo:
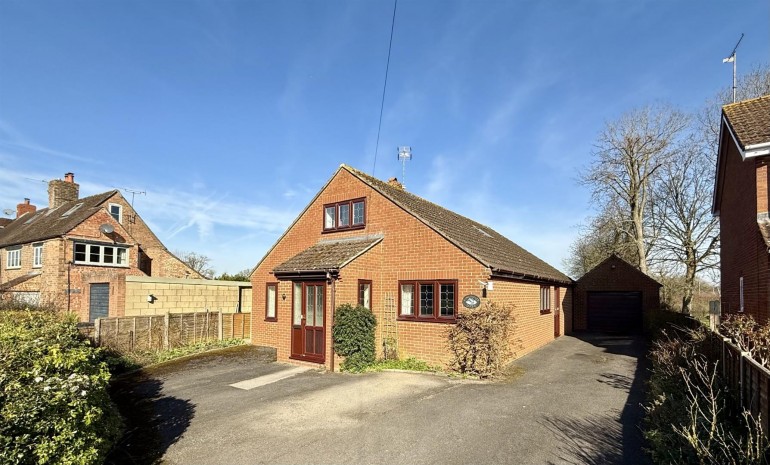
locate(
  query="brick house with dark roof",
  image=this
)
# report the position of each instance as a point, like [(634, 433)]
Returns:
[(76, 252), (742, 201), (361, 240)]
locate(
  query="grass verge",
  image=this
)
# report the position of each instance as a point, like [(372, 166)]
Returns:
[(408, 364)]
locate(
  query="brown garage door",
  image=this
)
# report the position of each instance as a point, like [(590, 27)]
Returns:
[(615, 312)]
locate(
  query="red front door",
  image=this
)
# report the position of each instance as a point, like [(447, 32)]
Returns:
[(308, 316), (557, 315)]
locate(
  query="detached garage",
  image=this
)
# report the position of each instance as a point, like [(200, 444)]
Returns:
[(614, 297)]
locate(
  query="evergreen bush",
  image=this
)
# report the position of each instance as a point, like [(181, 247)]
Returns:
[(54, 404), (353, 336)]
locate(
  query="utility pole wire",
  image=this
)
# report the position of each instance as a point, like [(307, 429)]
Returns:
[(384, 87)]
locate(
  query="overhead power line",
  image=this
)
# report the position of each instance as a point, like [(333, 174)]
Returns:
[(384, 86)]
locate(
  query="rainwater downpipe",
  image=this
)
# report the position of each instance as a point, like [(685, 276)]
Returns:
[(330, 277)]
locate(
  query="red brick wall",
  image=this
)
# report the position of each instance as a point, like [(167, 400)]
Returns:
[(613, 275), (409, 251), (743, 250)]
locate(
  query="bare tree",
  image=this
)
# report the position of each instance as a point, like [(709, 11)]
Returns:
[(689, 234), (197, 262), (628, 154)]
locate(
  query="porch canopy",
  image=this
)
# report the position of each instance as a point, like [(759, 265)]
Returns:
[(325, 258)]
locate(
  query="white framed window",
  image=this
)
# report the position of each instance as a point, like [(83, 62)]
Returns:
[(13, 258), (740, 290), (97, 254), (116, 211), (37, 255)]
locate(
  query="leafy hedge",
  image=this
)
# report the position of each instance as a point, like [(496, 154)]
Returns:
[(54, 405), (353, 335)]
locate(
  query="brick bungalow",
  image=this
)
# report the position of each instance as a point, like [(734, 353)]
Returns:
[(414, 263), (741, 201), (77, 252)]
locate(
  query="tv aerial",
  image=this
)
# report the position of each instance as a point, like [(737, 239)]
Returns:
[(404, 154)]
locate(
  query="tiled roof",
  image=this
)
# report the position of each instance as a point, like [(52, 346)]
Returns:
[(5, 222), (750, 121), (46, 223), (327, 255), (479, 241)]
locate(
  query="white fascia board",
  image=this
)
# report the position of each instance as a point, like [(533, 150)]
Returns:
[(751, 151)]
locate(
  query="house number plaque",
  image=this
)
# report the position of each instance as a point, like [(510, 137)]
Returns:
[(471, 301)]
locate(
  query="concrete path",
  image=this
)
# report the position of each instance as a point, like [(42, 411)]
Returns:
[(574, 401)]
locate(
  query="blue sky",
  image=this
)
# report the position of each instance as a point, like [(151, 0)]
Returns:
[(231, 115)]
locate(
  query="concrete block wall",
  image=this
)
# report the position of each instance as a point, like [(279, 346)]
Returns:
[(177, 295)]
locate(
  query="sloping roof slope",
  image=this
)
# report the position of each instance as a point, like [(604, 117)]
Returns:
[(327, 255), (613, 261), (46, 223), (16, 281), (750, 121), (481, 242)]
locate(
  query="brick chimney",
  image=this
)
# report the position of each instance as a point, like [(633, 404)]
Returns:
[(61, 192), (25, 207), (394, 182)]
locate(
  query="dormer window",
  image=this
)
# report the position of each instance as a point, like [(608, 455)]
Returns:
[(116, 211), (350, 214)]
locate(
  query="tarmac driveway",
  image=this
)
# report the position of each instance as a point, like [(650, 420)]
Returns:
[(573, 401)]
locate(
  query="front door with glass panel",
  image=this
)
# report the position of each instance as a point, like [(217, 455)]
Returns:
[(308, 310)]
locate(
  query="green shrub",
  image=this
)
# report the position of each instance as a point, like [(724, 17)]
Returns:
[(54, 405), (480, 341), (353, 335), (410, 364)]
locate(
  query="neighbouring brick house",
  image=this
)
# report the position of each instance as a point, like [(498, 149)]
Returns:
[(741, 200), (412, 262), (77, 252)]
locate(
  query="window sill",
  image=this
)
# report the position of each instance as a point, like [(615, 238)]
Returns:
[(271, 320), (545, 312), (103, 265), (12, 267), (428, 320), (347, 228)]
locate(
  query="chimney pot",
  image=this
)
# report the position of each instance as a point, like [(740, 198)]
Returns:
[(394, 182), (25, 207), (69, 177)]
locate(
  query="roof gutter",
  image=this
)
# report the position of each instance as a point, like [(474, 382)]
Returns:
[(320, 275), (507, 274)]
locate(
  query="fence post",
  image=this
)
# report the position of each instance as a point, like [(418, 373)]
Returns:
[(150, 332), (166, 319), (97, 331), (207, 325), (133, 334), (220, 329), (243, 326), (741, 370)]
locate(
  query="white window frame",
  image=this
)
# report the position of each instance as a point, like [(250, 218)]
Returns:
[(271, 301), (37, 255), (13, 258), (101, 262), (119, 219), (740, 285)]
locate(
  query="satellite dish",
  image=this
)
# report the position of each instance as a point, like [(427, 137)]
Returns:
[(106, 228), (8, 212)]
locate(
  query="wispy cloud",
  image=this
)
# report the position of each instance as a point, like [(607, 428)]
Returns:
[(12, 139)]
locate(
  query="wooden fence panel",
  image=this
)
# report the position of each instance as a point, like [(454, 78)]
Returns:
[(154, 332)]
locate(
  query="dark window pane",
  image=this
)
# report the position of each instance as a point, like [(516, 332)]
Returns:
[(108, 254), (329, 213), (358, 213), (93, 255), (80, 252), (426, 299), (344, 215), (447, 305)]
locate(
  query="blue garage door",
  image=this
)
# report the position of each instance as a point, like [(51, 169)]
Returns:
[(100, 301)]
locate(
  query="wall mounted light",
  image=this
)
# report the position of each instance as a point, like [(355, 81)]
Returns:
[(283, 296), (151, 298)]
